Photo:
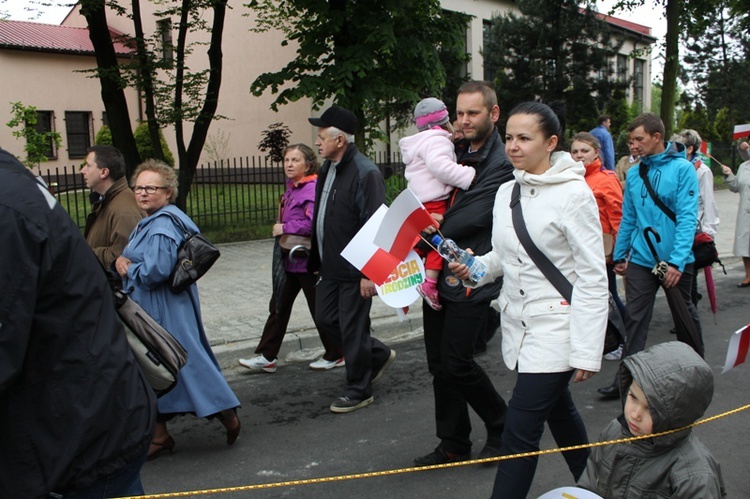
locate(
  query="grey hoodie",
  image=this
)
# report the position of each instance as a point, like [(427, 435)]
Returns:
[(678, 386)]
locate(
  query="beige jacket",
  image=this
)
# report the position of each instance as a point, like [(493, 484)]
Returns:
[(111, 221)]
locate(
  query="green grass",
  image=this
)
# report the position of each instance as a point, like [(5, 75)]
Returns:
[(76, 203)]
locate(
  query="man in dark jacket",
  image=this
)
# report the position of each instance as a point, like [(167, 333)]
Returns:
[(115, 212), (350, 189), (451, 334), (76, 414)]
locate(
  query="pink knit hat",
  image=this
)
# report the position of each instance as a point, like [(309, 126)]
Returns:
[(430, 113)]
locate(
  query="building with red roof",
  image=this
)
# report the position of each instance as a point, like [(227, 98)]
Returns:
[(50, 67)]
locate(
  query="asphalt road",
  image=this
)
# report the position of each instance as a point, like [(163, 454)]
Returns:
[(289, 434)]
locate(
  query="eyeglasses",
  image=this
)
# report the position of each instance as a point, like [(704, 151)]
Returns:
[(150, 189)]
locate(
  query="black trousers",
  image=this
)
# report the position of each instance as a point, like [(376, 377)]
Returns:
[(458, 381), (278, 318), (642, 287), (539, 398), (343, 315)]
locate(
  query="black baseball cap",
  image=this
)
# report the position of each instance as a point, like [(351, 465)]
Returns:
[(341, 118)]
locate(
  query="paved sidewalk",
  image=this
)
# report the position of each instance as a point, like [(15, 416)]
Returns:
[(236, 292)]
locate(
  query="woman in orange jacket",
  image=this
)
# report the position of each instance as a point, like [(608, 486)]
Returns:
[(608, 193)]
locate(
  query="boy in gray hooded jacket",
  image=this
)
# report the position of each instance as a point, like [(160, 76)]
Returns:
[(665, 387)]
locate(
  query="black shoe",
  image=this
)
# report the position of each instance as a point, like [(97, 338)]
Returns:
[(379, 373), (342, 405), (609, 392), (492, 445), (439, 456)]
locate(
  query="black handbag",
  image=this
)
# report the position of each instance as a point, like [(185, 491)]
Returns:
[(615, 334), (705, 252), (195, 256), (158, 353)]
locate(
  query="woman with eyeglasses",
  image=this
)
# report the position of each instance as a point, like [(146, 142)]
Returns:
[(145, 267)]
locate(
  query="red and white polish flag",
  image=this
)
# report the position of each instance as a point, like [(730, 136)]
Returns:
[(374, 262), (406, 218), (741, 131), (739, 344)]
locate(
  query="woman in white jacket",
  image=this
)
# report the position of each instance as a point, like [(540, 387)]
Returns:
[(545, 338)]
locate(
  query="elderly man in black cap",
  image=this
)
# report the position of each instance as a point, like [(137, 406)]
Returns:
[(350, 189)]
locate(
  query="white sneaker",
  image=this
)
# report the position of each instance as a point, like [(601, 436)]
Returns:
[(614, 354), (259, 363), (323, 365)]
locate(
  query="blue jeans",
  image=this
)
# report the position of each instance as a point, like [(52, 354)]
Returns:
[(538, 398), (123, 483)]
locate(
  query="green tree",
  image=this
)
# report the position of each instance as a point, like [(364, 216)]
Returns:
[(619, 112), (715, 57), (698, 120), (656, 98), (142, 142), (673, 10), (173, 94), (377, 58), (723, 125), (684, 19), (547, 53), (274, 141), (145, 145), (103, 136), (38, 143), (111, 79)]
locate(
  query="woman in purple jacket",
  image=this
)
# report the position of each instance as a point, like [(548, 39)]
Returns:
[(296, 215)]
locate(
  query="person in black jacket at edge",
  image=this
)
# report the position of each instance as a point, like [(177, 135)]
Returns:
[(451, 334), (76, 414), (350, 189)]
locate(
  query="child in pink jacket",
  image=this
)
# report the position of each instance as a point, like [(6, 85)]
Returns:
[(432, 174)]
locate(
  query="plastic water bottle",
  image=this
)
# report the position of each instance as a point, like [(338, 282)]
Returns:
[(449, 250)]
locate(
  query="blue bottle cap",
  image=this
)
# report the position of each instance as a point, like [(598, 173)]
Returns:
[(436, 239)]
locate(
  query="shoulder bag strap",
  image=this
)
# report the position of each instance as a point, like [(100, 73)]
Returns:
[(643, 172), (552, 273), (179, 223)]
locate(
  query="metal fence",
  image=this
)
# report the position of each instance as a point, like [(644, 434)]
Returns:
[(238, 192)]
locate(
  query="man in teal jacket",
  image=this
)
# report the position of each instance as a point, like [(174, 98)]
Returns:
[(675, 183)]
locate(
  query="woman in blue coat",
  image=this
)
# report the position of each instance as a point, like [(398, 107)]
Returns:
[(145, 267)]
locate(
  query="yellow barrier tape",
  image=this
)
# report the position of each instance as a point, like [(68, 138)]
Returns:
[(372, 474)]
